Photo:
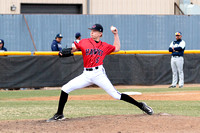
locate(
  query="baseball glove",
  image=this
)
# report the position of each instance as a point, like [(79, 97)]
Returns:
[(66, 52)]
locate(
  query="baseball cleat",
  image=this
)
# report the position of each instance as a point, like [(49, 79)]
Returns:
[(56, 117), (146, 108), (172, 86)]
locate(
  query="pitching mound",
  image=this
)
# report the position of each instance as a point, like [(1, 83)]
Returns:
[(158, 123)]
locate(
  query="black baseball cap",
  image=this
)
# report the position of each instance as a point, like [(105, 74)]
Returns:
[(78, 34), (97, 27)]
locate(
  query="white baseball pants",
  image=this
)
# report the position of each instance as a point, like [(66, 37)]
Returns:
[(177, 66), (96, 76)]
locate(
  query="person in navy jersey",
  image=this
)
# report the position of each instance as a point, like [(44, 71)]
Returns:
[(2, 48), (56, 44), (177, 48)]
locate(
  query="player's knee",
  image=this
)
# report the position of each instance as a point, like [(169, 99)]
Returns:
[(116, 96), (65, 88)]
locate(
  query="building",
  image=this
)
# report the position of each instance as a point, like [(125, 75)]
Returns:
[(142, 7)]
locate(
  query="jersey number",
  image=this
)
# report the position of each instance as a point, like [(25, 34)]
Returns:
[(97, 59)]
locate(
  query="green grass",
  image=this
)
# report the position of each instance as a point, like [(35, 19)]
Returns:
[(27, 93), (15, 110)]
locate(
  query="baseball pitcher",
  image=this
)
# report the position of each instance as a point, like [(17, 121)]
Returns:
[(94, 52)]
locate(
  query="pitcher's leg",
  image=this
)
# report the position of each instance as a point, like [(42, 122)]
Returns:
[(174, 72), (77, 83), (62, 102), (143, 106), (180, 71), (103, 82)]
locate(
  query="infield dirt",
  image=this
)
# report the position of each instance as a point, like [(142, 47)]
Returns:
[(158, 123)]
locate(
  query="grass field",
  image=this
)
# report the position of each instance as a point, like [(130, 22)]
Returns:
[(13, 109)]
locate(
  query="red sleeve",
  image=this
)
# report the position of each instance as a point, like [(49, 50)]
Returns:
[(110, 48), (113, 49)]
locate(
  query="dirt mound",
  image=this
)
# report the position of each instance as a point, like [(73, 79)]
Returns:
[(157, 123)]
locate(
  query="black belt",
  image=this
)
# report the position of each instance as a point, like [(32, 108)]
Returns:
[(177, 56), (91, 69)]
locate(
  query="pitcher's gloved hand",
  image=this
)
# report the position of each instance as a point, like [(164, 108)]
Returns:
[(66, 52)]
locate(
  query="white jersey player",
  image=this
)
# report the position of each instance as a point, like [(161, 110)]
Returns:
[(177, 48), (77, 40)]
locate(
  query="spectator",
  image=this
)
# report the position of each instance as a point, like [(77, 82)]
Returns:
[(78, 38), (2, 48), (56, 44)]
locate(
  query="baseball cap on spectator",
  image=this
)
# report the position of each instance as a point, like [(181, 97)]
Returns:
[(77, 35), (178, 34), (59, 36), (1, 41), (97, 27)]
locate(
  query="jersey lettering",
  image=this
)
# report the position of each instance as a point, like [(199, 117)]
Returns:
[(94, 52)]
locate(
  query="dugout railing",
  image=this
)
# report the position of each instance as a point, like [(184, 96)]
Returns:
[(29, 53)]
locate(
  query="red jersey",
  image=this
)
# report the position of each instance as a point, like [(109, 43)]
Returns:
[(94, 53)]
